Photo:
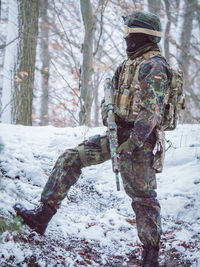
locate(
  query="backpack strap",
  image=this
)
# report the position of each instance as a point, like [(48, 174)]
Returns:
[(128, 64)]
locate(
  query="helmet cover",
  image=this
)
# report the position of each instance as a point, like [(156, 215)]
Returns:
[(144, 22)]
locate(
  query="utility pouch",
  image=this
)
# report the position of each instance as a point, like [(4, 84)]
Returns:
[(124, 102), (159, 156)]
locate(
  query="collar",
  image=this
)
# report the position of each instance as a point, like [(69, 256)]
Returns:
[(145, 48)]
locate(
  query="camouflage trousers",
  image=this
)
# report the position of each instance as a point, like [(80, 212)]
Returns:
[(137, 174)]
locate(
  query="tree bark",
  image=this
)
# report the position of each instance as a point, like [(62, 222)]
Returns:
[(86, 96), (45, 58), (96, 100), (25, 66), (2, 52), (167, 29), (185, 44)]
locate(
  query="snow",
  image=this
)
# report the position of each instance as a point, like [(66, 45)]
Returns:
[(95, 224)]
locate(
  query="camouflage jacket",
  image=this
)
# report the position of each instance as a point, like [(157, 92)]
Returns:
[(154, 77)]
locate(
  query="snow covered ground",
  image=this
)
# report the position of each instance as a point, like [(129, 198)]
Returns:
[(95, 225)]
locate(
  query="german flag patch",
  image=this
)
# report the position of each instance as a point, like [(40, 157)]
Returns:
[(157, 77)]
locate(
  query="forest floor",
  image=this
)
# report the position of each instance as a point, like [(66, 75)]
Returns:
[(95, 225)]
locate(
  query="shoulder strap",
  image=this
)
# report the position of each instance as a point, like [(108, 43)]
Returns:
[(128, 65), (151, 54)]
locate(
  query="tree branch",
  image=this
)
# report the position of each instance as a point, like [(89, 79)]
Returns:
[(101, 27), (12, 41)]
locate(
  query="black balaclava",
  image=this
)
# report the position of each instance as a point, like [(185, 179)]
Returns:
[(135, 42)]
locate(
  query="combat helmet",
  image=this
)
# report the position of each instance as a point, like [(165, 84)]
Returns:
[(143, 22)]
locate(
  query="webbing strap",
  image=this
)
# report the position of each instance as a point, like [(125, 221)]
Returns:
[(103, 145), (82, 155), (136, 73), (126, 75)]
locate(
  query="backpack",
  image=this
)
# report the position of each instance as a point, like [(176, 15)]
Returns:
[(175, 102), (176, 98)]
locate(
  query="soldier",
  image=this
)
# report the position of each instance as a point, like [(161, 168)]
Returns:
[(141, 84)]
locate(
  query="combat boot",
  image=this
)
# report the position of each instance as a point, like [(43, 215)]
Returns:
[(150, 256), (38, 218)]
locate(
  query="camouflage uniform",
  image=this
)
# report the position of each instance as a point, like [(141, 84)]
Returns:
[(137, 172)]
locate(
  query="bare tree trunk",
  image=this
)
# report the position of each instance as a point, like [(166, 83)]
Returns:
[(1, 70), (44, 54), (3, 32), (185, 44), (25, 65), (1, 80), (96, 100), (167, 29), (10, 45), (99, 55), (177, 8), (154, 6), (87, 65), (2, 52)]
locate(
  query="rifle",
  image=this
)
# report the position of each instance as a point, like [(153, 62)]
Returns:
[(112, 128)]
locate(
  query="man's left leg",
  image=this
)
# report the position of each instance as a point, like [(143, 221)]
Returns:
[(64, 174)]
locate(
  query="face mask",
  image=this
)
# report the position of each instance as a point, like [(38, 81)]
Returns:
[(135, 41)]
